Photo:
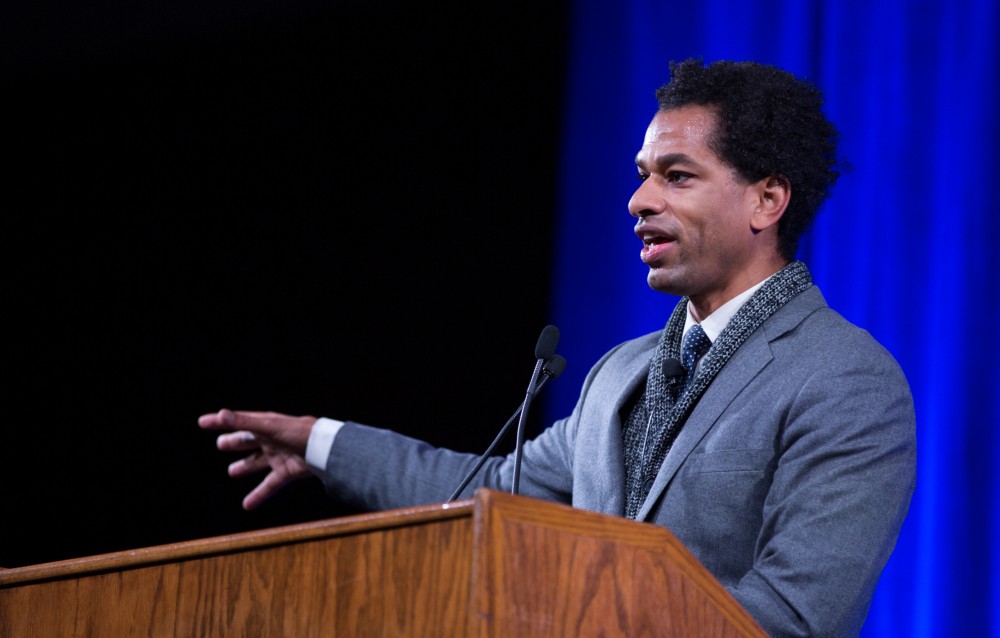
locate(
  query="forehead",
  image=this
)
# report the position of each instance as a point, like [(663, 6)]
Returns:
[(686, 129)]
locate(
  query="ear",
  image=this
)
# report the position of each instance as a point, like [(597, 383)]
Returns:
[(771, 197)]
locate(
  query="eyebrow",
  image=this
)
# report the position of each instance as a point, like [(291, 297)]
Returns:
[(669, 159)]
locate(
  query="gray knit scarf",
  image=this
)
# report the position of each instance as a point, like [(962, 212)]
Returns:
[(658, 415)]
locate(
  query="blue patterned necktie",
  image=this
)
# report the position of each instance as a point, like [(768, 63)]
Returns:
[(696, 343)]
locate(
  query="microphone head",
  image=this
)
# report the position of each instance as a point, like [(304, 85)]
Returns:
[(547, 342), (672, 368), (554, 366)]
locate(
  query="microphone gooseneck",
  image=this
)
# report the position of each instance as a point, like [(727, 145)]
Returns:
[(544, 349), (552, 366)]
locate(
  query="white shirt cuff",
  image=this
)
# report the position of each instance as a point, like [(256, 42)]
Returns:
[(320, 442)]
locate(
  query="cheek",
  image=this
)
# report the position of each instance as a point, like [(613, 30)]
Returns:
[(732, 217), (703, 221), (720, 231)]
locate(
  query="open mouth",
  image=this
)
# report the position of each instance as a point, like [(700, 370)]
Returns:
[(654, 245), (650, 239)]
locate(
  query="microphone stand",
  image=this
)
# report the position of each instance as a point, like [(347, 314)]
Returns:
[(553, 367), (503, 431), (519, 445)]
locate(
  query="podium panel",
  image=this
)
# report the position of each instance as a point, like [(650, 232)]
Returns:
[(556, 571), (495, 565)]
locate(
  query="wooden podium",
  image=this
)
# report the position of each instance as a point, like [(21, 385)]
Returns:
[(494, 565)]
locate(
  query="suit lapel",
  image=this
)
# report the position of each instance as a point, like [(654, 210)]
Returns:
[(745, 364), (601, 487)]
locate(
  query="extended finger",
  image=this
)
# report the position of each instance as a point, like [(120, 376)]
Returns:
[(267, 488), (237, 442), (248, 465), (236, 419), (209, 421), (266, 423), (226, 419)]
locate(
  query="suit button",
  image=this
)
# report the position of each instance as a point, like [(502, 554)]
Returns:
[(648, 485)]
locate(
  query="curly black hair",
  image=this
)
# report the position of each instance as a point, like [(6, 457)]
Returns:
[(769, 123)]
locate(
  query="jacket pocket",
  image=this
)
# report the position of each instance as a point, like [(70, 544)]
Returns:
[(732, 460)]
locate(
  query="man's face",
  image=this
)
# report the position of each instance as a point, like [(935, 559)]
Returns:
[(695, 213)]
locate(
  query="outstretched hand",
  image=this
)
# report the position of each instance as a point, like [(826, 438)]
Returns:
[(276, 442)]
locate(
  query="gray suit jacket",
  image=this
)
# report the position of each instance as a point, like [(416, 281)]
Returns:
[(789, 480)]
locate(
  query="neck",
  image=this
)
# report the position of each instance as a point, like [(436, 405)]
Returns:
[(703, 305)]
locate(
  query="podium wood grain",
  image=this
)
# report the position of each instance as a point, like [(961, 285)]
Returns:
[(404, 573), (555, 571), (494, 566)]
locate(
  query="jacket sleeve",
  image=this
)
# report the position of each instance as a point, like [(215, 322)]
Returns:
[(372, 468)]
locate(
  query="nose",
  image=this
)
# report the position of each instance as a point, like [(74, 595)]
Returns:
[(644, 202)]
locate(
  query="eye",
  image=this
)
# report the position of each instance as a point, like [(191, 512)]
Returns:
[(677, 177), (643, 176)]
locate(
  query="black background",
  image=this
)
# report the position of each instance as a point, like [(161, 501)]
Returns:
[(337, 209)]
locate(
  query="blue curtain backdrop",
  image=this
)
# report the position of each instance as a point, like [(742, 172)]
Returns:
[(904, 248)]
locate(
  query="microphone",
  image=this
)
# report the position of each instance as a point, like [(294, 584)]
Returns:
[(673, 373), (551, 369), (672, 369), (545, 348)]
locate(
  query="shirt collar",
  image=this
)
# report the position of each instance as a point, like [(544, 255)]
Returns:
[(714, 323)]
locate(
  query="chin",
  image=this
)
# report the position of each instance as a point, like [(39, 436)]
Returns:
[(662, 282)]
